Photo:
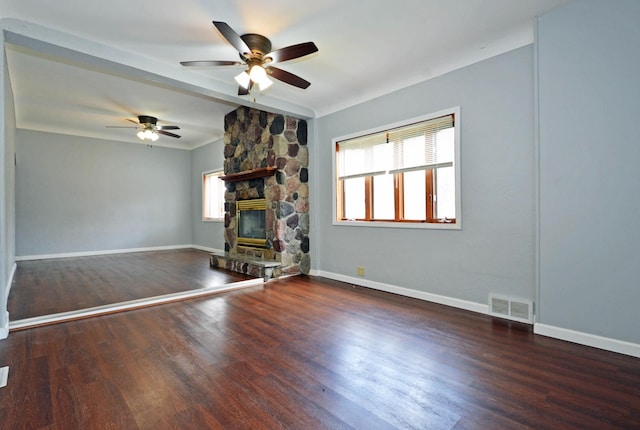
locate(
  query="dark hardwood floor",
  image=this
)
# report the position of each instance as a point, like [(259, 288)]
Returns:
[(45, 287), (307, 353)]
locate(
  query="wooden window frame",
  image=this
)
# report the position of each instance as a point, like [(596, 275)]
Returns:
[(430, 221), (399, 198)]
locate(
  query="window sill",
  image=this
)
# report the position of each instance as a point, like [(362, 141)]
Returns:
[(212, 219), (413, 225)]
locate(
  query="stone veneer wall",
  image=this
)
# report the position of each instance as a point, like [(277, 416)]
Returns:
[(257, 139)]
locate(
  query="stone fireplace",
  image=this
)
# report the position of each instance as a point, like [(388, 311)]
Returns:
[(267, 194)]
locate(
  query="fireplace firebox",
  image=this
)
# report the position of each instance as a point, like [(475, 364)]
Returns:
[(251, 217)]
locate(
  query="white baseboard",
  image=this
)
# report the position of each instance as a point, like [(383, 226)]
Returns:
[(105, 252), (4, 376), (206, 248), (408, 292), (4, 329), (129, 305), (587, 339), (10, 280)]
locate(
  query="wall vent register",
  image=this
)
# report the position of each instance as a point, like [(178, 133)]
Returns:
[(510, 308)]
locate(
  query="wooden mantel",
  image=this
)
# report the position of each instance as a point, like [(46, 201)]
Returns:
[(262, 172)]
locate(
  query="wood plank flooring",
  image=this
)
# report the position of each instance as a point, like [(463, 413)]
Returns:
[(308, 353), (45, 287)]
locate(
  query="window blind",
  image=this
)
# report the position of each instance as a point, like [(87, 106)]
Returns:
[(419, 146)]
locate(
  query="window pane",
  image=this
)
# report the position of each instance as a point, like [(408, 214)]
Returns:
[(220, 185), (383, 197), (354, 198), (213, 196), (382, 155), (445, 145), (413, 152), (354, 161), (445, 193), (415, 203)]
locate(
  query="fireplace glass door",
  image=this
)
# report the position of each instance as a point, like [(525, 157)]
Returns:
[(252, 229)]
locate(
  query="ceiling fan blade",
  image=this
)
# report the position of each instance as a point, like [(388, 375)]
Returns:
[(292, 52), (288, 78), (167, 133), (208, 63), (135, 122), (232, 37), (167, 127)]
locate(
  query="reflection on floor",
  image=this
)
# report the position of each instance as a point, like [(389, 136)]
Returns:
[(47, 291)]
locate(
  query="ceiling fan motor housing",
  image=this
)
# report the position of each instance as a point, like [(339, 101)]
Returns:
[(147, 120), (259, 45)]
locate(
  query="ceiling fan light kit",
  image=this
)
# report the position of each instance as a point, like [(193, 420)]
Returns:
[(255, 53), (243, 79), (258, 75), (147, 135)]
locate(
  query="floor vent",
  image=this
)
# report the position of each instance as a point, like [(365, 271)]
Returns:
[(510, 308)]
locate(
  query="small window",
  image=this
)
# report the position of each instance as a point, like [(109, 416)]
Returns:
[(402, 175), (213, 196)]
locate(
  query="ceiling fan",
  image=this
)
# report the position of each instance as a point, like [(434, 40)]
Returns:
[(255, 53), (149, 129)]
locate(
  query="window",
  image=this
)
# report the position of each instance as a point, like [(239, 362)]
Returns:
[(213, 196), (402, 175)]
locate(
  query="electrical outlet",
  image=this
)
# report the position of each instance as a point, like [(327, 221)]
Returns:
[(360, 270)]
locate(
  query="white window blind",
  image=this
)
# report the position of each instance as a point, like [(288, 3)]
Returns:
[(420, 146), (364, 156)]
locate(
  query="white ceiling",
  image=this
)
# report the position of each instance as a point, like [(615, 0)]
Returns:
[(80, 65)]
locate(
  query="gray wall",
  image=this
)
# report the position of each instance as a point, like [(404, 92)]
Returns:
[(494, 252), (589, 105), (7, 189), (78, 194), (208, 234)]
